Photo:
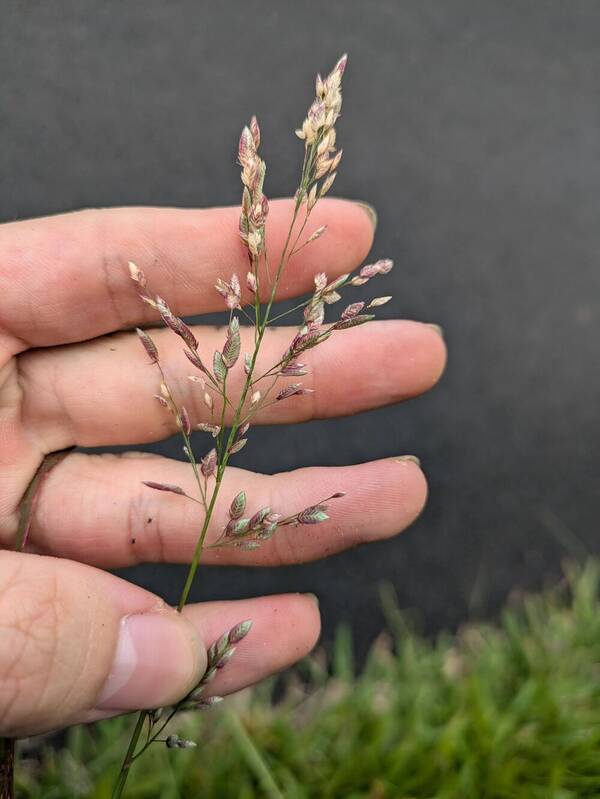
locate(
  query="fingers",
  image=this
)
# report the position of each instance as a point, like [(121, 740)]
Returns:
[(79, 644), (65, 278), (75, 638), (95, 509), (102, 392)]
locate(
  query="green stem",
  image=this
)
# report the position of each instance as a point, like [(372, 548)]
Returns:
[(198, 550), (129, 756)]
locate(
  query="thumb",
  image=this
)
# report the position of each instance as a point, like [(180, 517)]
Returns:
[(79, 644)]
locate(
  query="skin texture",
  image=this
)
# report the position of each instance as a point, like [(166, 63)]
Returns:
[(73, 373)]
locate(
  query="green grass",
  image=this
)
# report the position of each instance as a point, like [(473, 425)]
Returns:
[(495, 712)]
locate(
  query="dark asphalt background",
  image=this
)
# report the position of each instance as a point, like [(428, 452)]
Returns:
[(473, 127)]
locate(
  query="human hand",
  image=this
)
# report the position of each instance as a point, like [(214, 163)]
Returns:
[(78, 643)]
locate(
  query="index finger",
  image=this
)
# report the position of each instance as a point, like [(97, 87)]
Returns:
[(65, 278)]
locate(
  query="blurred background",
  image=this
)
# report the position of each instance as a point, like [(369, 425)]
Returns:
[(474, 129)]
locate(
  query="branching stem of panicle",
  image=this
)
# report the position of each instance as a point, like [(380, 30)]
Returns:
[(319, 163)]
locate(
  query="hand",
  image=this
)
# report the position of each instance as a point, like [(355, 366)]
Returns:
[(77, 642)]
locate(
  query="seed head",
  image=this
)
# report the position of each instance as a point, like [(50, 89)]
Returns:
[(359, 281), (236, 527), (344, 324), (378, 301), (259, 517), (331, 296), (195, 359), (173, 489), (293, 369), (320, 281), (246, 147), (295, 389), (352, 310), (208, 464), (312, 515), (255, 131), (240, 631), (381, 267), (148, 345), (327, 184), (206, 427), (242, 430), (238, 505), (231, 350), (183, 421), (251, 282), (326, 108), (317, 233), (209, 701), (137, 275), (314, 313), (176, 324), (219, 367), (231, 292), (175, 742), (238, 445)]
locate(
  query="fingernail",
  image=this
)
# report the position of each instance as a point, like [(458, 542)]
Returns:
[(371, 213), (157, 660), (411, 458), (438, 329), (313, 598)]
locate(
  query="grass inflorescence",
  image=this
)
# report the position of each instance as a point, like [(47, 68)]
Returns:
[(226, 416)]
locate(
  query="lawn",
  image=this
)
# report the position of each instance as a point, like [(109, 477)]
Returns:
[(503, 711)]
